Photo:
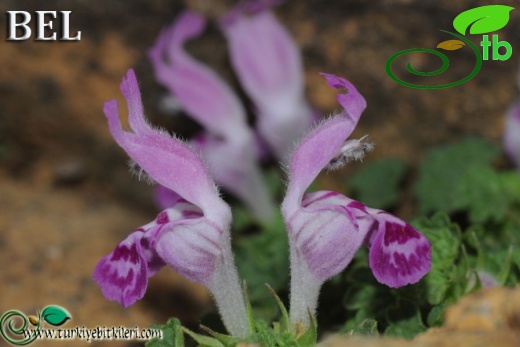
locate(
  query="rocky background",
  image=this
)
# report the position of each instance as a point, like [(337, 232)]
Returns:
[(66, 197)]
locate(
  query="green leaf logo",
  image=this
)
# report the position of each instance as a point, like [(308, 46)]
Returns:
[(55, 315), (483, 19)]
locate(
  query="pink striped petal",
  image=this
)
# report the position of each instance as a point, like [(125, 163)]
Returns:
[(123, 274), (192, 248), (326, 233), (399, 254)]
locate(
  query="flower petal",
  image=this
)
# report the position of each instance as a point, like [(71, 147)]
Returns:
[(165, 198), (326, 233), (234, 167), (130, 89), (399, 254), (197, 88), (192, 248), (264, 55), (512, 133), (268, 64), (122, 275), (167, 160), (312, 154), (352, 101)]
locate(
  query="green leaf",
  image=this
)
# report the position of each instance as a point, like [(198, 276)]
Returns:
[(270, 265), (511, 184), (172, 335), (443, 169), (202, 340), (227, 340), (309, 337), (445, 238), (376, 184), (482, 192), (55, 315), (284, 323), (406, 328), (249, 309), (483, 19), (436, 316)]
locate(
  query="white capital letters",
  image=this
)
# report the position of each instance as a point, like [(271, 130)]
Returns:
[(12, 25), (40, 32), (65, 34)]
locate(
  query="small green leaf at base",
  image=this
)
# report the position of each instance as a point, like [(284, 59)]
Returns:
[(204, 341), (284, 322), (406, 328), (309, 337), (172, 335)]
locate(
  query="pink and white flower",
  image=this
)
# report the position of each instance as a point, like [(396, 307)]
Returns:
[(191, 236), (326, 228)]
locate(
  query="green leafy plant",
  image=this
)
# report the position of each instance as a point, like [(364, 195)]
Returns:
[(473, 240)]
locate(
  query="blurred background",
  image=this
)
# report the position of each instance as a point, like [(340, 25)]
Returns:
[(66, 196)]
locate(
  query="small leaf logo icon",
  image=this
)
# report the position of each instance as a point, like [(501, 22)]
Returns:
[(483, 19), (55, 315), (451, 45)]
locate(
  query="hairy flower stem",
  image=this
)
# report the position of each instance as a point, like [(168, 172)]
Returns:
[(305, 290), (229, 297)]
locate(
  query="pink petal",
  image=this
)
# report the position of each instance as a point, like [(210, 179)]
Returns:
[(197, 88), (122, 275), (264, 56), (167, 160), (165, 198), (325, 233), (130, 89), (312, 154), (352, 101), (234, 167), (399, 254), (512, 133), (192, 248), (268, 64)]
